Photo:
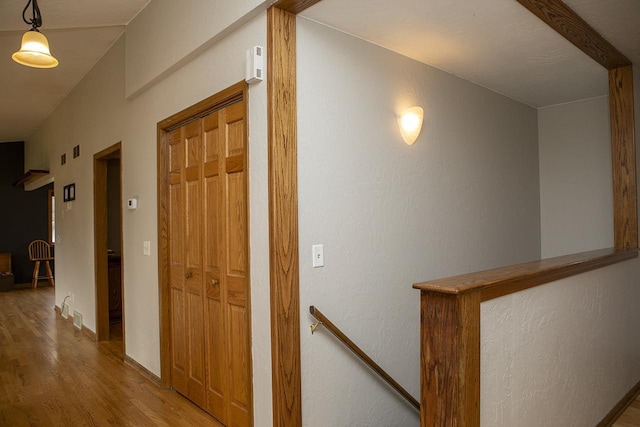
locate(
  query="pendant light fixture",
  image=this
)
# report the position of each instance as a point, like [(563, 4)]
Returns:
[(34, 51)]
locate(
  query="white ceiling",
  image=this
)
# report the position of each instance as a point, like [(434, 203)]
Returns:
[(79, 33), (495, 43)]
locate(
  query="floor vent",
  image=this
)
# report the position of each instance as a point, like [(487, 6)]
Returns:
[(77, 320)]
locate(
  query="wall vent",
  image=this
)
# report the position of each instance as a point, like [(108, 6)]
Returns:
[(77, 320)]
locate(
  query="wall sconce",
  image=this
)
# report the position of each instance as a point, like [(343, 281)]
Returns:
[(410, 122), (34, 51)]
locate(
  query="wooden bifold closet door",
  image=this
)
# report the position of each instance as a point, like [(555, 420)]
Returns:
[(208, 257)]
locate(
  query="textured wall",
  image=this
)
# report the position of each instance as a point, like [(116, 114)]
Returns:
[(97, 114), (576, 196), (561, 354), (213, 71), (188, 29), (464, 197), (91, 116)]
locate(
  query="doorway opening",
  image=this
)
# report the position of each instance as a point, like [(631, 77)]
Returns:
[(108, 244)]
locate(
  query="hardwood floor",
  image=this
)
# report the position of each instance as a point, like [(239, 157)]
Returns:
[(631, 416), (53, 375)]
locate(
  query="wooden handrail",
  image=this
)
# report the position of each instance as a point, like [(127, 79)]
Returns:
[(515, 278), (450, 329), (362, 355)]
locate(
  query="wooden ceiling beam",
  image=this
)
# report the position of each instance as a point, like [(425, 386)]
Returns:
[(572, 27), (295, 6)]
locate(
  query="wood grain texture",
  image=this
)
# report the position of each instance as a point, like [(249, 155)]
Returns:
[(617, 412), (295, 6), (283, 218), (86, 331), (164, 300), (142, 370), (54, 375), (450, 359), (630, 417), (623, 157), (208, 263), (514, 278), (572, 27), (363, 356), (207, 106)]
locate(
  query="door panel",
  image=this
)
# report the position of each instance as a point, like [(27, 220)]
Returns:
[(211, 361), (179, 354), (193, 260), (237, 226), (216, 374), (236, 256)]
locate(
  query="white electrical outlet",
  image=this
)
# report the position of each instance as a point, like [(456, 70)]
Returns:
[(146, 248), (318, 255)]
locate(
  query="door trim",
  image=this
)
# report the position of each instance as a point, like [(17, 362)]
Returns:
[(100, 241), (210, 104)]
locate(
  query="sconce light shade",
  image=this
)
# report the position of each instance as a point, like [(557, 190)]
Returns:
[(34, 51), (411, 124)]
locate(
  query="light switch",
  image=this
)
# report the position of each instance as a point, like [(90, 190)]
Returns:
[(318, 255), (146, 245)]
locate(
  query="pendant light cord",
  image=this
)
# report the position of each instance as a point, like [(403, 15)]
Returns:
[(36, 21)]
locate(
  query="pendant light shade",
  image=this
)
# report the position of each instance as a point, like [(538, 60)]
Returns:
[(34, 51)]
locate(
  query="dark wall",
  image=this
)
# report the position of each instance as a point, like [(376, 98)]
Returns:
[(23, 214)]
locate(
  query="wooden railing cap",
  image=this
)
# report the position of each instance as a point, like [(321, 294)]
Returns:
[(505, 280)]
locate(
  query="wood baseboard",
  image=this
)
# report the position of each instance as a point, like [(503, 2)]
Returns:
[(127, 360), (142, 370), (620, 407), (88, 332)]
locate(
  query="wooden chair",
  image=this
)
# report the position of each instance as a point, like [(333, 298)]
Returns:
[(39, 251)]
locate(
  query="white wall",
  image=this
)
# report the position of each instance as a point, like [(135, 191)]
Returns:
[(562, 354), (97, 115), (565, 353), (92, 116), (168, 34), (576, 195), (464, 197)]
